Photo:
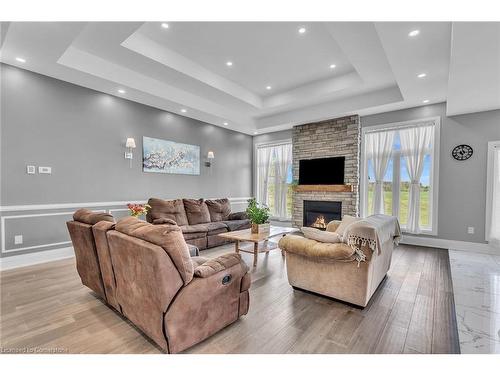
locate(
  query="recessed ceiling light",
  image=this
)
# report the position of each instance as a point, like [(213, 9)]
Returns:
[(121, 91), (333, 66), (225, 124), (425, 101), (302, 30), (413, 33), (164, 25), (183, 110), (268, 87), (422, 75), (229, 63), (20, 59)]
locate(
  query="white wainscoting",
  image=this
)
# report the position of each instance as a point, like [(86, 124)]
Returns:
[(17, 212)]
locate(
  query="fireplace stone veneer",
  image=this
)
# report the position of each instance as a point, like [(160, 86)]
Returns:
[(337, 137)]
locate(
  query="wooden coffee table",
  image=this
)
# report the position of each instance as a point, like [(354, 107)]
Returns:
[(259, 240)]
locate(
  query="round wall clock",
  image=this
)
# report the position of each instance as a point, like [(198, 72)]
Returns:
[(462, 152)]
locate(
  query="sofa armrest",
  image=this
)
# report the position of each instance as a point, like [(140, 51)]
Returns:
[(238, 216), (164, 220), (219, 265), (206, 305)]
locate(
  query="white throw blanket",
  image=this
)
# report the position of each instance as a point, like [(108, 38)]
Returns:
[(372, 231)]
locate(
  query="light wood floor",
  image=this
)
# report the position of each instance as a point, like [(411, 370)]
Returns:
[(46, 308)]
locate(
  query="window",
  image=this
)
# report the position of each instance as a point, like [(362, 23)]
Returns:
[(399, 159), (274, 178)]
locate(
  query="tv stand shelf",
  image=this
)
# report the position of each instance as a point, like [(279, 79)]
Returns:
[(331, 188)]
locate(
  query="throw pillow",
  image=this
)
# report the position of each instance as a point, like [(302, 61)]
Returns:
[(219, 209), (320, 236), (346, 221), (196, 211), (168, 209)]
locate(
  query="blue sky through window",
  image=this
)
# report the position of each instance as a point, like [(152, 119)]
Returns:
[(426, 173)]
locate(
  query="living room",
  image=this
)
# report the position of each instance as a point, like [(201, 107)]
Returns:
[(265, 187)]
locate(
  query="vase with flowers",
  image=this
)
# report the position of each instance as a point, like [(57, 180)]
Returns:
[(137, 210)]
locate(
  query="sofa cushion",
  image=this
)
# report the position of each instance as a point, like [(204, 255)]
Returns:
[(169, 237), (242, 215), (89, 217), (204, 228), (190, 236), (237, 224), (314, 249), (321, 236), (219, 209), (196, 211), (168, 209)]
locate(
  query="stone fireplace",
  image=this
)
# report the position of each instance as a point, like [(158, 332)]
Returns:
[(319, 213), (330, 138)]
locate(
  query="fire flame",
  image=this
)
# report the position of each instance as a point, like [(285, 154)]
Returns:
[(319, 222)]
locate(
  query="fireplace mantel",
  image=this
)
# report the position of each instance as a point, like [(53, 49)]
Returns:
[(320, 188)]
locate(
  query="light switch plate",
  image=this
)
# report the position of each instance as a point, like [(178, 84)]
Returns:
[(30, 169), (44, 170), (470, 230), (18, 239)]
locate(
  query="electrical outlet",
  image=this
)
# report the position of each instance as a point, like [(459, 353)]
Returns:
[(45, 170), (18, 239), (470, 230), (30, 169)]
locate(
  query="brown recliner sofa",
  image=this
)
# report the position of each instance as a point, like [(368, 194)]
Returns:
[(200, 220), (93, 263), (175, 299)]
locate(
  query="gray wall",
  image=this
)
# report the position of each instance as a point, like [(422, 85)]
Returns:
[(81, 134), (273, 137), (462, 185)]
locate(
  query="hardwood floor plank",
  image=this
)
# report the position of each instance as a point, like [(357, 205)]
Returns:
[(419, 337)]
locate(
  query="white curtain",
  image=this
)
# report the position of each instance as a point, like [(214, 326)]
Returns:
[(379, 150), (415, 143), (283, 162), (263, 163), (494, 230)]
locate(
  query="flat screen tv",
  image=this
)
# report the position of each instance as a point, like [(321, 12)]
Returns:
[(324, 171)]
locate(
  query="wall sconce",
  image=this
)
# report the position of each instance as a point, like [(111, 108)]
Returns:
[(130, 145), (210, 158)]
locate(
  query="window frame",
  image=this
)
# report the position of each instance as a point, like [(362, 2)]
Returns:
[(255, 172), (434, 174), (489, 188)]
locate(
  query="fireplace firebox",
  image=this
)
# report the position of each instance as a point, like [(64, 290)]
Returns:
[(318, 214)]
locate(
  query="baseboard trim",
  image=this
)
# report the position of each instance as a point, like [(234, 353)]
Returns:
[(16, 261), (472, 247)]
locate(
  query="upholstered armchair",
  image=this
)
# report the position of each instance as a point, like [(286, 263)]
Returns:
[(349, 270)]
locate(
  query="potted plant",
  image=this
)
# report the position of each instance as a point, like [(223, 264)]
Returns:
[(259, 216)]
